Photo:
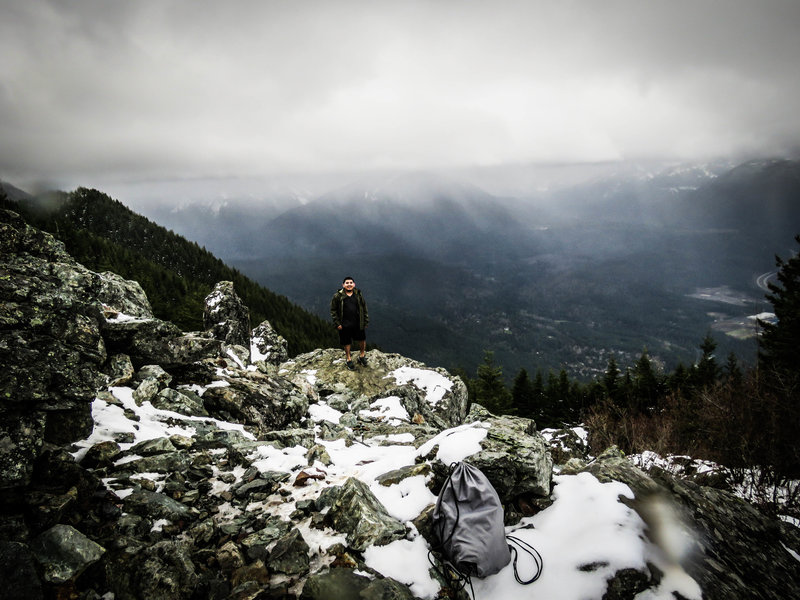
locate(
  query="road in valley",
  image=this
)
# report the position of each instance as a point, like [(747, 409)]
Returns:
[(763, 279)]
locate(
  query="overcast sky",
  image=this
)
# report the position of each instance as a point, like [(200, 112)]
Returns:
[(97, 91)]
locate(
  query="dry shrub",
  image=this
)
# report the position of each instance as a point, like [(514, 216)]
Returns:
[(749, 428)]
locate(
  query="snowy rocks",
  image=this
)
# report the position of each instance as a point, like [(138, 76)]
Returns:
[(267, 347), (430, 395), (226, 317), (567, 444), (209, 473)]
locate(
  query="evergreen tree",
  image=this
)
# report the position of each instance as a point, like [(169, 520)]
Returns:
[(645, 383), (779, 344), (491, 390), (469, 382), (522, 394), (611, 379), (706, 371), (732, 373)]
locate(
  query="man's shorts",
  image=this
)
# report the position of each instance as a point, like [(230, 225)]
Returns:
[(348, 335)]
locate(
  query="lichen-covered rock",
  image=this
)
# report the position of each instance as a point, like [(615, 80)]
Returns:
[(64, 553), (263, 403), (255, 544), (226, 317), (21, 439), (357, 513), (184, 402), (51, 346), (157, 506), (335, 584), (123, 297), (162, 570), (18, 572), (152, 341), (513, 456), (120, 370), (290, 554)]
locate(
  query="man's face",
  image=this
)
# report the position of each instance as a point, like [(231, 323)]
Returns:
[(348, 285)]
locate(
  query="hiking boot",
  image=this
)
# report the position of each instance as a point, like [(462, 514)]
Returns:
[(362, 360), (350, 365)]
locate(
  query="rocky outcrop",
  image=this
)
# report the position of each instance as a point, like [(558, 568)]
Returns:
[(226, 317), (428, 395), (146, 462), (51, 346), (267, 348)]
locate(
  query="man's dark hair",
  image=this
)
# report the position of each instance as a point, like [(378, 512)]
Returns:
[(346, 278)]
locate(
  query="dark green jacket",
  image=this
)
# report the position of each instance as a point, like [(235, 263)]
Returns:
[(337, 306)]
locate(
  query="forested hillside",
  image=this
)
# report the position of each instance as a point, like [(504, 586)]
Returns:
[(176, 274)]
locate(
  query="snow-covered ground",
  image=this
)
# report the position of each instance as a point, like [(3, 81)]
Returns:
[(586, 524)]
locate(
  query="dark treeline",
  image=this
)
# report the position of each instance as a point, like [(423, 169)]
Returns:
[(176, 274), (738, 416)]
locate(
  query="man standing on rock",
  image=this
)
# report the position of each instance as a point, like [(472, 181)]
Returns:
[(349, 314)]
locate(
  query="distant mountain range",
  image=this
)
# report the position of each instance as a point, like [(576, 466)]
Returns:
[(562, 278), (566, 278)]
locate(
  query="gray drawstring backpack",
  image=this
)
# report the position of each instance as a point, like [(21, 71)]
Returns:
[(468, 527), (468, 523)]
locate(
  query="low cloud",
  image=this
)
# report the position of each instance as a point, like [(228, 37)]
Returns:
[(99, 91)]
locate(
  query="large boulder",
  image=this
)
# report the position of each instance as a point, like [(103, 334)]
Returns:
[(356, 512), (513, 456), (123, 297), (51, 346), (263, 403), (153, 341), (64, 553)]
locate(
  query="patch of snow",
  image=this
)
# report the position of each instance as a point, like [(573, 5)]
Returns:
[(235, 358), (268, 458), (158, 525), (790, 551), (110, 422), (457, 443), (434, 384), (256, 354), (407, 562), (311, 375), (322, 412), (405, 500), (390, 408)]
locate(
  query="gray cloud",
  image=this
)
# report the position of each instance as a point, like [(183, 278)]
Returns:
[(96, 91)]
